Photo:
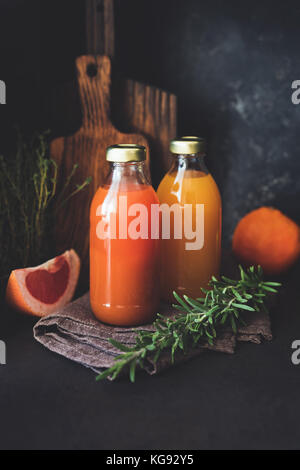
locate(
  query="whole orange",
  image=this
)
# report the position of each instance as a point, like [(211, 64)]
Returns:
[(267, 237)]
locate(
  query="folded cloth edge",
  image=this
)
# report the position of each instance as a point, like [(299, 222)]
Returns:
[(73, 332)]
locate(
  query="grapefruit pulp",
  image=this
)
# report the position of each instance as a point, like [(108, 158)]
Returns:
[(43, 289)]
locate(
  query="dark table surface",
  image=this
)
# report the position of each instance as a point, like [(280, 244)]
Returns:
[(246, 400)]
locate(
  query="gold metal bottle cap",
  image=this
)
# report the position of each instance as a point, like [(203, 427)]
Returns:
[(188, 145), (122, 153)]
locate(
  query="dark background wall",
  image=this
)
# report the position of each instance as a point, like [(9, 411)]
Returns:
[(231, 64)]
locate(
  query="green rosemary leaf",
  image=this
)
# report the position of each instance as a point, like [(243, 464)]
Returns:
[(233, 324), (267, 288), (194, 303), (156, 356), (117, 371), (198, 319), (143, 354), (243, 307), (174, 346), (132, 370), (236, 313), (227, 280), (209, 335), (181, 302), (178, 307), (249, 296), (104, 375), (120, 346), (275, 284)]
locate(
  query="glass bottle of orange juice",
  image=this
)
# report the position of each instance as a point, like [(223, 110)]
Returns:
[(124, 259), (191, 248)]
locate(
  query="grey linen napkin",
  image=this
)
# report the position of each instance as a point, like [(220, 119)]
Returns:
[(74, 333)]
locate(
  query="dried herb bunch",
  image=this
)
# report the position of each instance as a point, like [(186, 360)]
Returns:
[(198, 320), (28, 188)]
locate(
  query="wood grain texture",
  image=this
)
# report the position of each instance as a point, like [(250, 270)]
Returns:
[(87, 148), (100, 35), (136, 107), (152, 112), (145, 114)]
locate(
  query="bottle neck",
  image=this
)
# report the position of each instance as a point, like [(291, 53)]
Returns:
[(122, 175), (194, 162)]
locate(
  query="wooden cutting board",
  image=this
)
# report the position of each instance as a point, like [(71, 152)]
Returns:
[(146, 113), (136, 107), (87, 148)]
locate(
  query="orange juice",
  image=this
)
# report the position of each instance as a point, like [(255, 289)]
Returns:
[(124, 263), (186, 266)]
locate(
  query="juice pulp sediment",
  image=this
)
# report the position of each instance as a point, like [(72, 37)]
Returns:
[(182, 270), (124, 273)]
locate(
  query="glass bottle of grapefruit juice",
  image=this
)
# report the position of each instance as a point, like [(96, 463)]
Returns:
[(191, 256), (124, 259)]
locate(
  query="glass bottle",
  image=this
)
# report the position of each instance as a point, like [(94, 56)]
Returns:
[(124, 259), (191, 256)]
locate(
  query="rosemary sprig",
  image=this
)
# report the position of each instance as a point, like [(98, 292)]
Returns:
[(198, 320), (29, 201)]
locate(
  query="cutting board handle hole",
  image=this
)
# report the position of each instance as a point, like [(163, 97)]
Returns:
[(91, 70)]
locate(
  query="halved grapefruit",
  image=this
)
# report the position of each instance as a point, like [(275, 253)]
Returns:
[(46, 288)]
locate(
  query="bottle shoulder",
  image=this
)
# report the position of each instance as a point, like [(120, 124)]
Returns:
[(135, 193), (188, 186)]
